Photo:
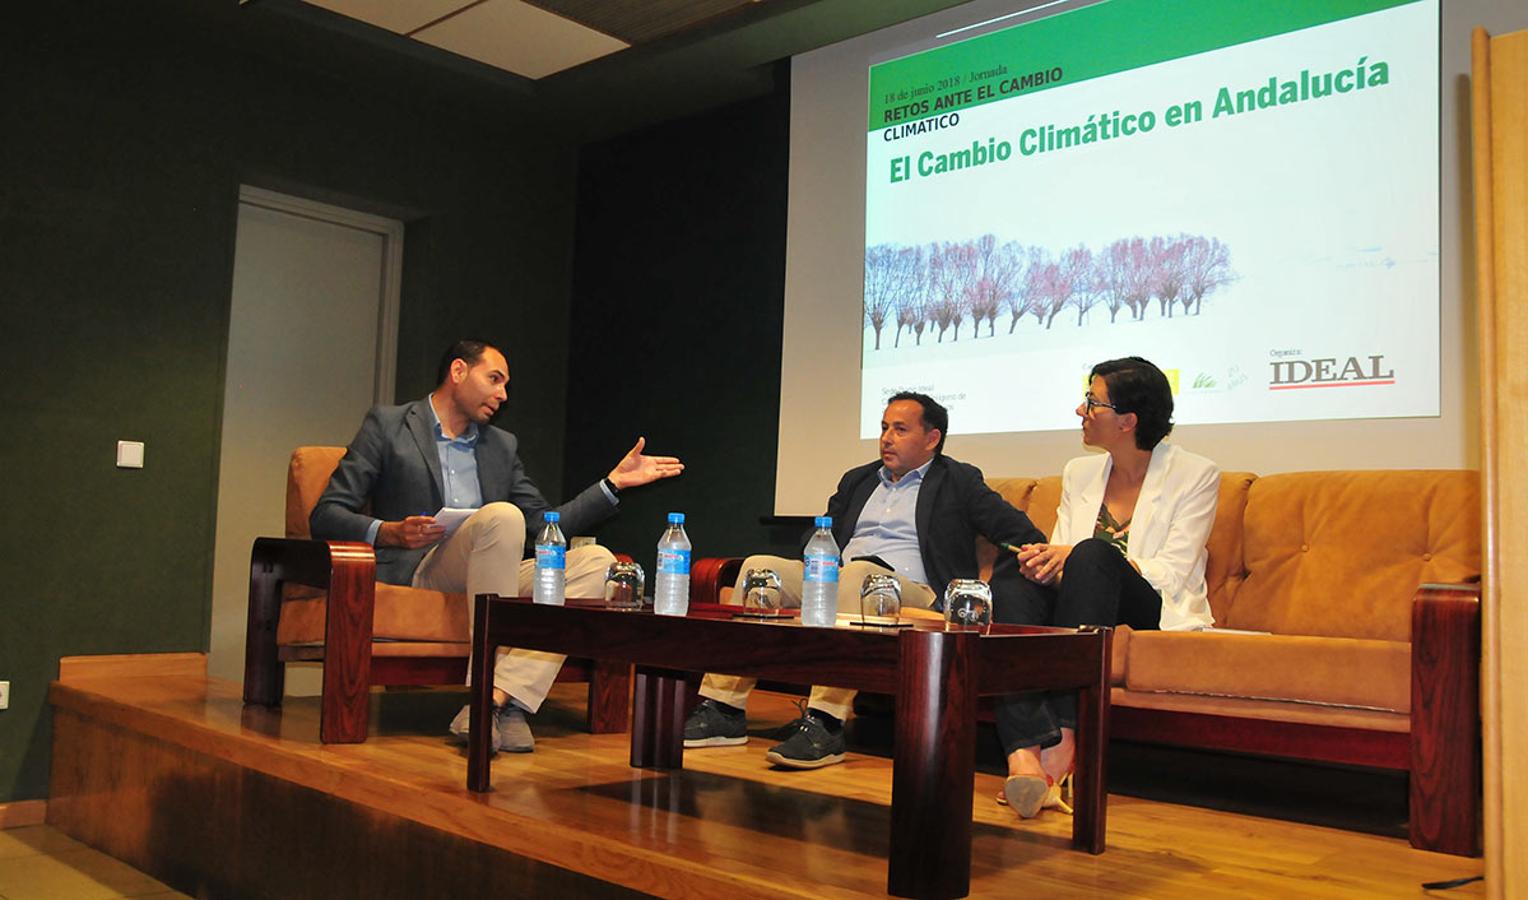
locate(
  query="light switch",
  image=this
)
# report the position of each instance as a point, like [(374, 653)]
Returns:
[(129, 454)]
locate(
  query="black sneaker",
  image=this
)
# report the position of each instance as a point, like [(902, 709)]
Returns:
[(812, 746), (711, 726)]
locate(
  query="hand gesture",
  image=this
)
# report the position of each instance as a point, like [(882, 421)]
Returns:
[(1043, 563), (413, 532), (637, 468)]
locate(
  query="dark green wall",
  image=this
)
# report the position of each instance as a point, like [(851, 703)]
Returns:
[(125, 131), (678, 304)]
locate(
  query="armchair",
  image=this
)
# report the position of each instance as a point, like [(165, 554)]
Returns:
[(319, 601)]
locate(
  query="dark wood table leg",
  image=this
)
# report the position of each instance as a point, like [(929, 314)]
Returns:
[(933, 765), (658, 712), (480, 670), (609, 696), (1091, 781)]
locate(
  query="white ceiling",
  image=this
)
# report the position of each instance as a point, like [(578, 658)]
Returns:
[(507, 34)]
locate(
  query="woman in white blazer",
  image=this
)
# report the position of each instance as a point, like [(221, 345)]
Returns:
[(1128, 549)]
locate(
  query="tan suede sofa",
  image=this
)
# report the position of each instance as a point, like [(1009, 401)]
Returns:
[(1363, 587)]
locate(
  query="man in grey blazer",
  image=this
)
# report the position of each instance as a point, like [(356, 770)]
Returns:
[(408, 461)]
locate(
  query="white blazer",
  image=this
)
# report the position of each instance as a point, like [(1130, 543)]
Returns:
[(1168, 530)]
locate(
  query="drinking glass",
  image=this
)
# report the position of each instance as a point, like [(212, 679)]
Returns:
[(624, 583), (880, 597), (762, 593), (968, 604)]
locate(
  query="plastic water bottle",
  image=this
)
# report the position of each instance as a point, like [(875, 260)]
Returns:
[(671, 588), (819, 577), (551, 562)]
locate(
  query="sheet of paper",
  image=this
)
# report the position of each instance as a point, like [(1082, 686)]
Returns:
[(452, 519)]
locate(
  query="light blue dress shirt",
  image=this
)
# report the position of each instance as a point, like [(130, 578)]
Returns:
[(888, 525)]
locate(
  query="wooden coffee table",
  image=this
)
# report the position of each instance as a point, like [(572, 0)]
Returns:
[(935, 675)]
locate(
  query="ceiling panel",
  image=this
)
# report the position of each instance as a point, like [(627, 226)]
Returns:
[(640, 21), (400, 16), (518, 37)]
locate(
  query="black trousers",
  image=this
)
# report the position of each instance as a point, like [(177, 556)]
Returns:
[(1099, 587)]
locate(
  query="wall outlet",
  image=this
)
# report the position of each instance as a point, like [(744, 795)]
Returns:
[(5, 695)]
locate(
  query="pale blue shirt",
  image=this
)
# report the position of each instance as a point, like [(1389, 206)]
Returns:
[(888, 525)]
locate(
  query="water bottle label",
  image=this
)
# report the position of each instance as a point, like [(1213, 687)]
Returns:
[(674, 562), (821, 569), (551, 556)]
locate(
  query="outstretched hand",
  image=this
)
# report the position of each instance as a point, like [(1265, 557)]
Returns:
[(637, 468)]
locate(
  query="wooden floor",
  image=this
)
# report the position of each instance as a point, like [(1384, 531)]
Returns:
[(729, 825)]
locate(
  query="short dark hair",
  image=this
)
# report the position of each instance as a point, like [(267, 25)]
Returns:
[(1137, 386), (934, 415), (468, 351)]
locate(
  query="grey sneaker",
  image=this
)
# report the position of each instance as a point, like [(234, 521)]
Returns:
[(812, 746), (711, 726), (511, 733)]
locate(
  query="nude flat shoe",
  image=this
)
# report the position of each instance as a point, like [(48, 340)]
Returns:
[(1028, 794), (1025, 794)]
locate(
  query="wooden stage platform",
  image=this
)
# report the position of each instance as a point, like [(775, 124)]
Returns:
[(165, 769)]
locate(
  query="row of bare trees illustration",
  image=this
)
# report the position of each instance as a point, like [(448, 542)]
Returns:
[(941, 285)]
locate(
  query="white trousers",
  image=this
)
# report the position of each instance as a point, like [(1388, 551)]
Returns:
[(486, 556), (733, 690)]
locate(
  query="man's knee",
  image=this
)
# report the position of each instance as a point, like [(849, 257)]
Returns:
[(497, 519), (590, 558)]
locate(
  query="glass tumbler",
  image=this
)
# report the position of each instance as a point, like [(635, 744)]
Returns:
[(968, 604), (624, 584), (762, 592), (880, 597)]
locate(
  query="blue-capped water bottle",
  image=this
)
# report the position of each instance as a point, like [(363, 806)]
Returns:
[(551, 562), (819, 576), (671, 587)]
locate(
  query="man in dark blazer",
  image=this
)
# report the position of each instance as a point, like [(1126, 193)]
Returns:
[(409, 461), (914, 514)]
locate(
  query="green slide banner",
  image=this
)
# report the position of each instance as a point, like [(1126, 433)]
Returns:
[(1086, 43)]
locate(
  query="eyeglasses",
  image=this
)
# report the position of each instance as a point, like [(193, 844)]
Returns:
[(1092, 403)]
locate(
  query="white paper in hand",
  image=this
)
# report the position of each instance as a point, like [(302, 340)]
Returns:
[(451, 519)]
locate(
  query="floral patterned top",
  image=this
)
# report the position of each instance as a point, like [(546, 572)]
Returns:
[(1117, 534)]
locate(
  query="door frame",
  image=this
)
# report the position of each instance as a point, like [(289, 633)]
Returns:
[(391, 232)]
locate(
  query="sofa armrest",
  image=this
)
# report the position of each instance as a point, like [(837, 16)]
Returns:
[(710, 574), (347, 571), (1445, 717)]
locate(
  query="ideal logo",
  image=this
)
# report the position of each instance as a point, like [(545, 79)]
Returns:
[(1355, 371)]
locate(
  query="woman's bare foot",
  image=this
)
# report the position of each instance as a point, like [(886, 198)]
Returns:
[(1056, 761)]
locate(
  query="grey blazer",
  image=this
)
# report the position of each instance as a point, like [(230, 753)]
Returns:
[(393, 463)]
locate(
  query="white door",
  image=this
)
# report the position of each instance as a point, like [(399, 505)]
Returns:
[(310, 348)]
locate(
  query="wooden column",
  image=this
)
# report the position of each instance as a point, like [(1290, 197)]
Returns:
[(1499, 101)]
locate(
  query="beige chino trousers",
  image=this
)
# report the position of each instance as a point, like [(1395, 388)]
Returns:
[(486, 556), (733, 690)]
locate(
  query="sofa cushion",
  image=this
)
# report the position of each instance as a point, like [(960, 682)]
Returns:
[(1330, 671), (307, 476), (401, 613), (1223, 572), (1341, 554)]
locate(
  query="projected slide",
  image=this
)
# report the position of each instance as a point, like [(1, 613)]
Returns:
[(1244, 193)]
